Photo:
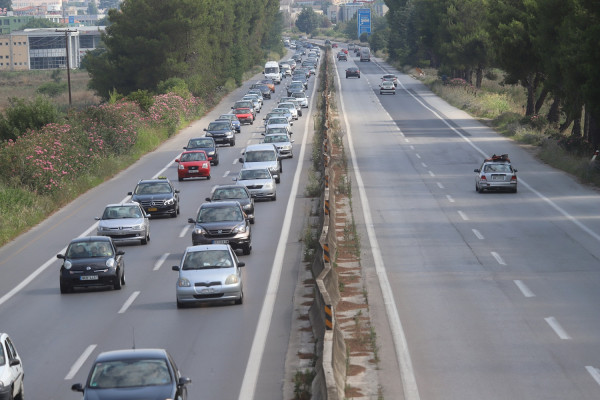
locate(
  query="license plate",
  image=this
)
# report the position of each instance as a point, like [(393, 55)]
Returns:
[(498, 178), (152, 209), (193, 171), (208, 290), (89, 277), (220, 241)]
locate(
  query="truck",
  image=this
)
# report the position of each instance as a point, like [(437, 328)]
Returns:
[(272, 71), (365, 54)]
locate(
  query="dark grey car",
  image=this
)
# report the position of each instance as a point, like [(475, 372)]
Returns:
[(235, 193)]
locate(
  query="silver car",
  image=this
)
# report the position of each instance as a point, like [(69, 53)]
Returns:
[(290, 106), (301, 97), (496, 173), (124, 222), (259, 182), (209, 273), (278, 122), (283, 142)]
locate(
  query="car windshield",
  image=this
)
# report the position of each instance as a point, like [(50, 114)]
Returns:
[(193, 156), (277, 120), (218, 126), (276, 138), (242, 111), (118, 212), (207, 260), (497, 168), (260, 156), (219, 214), (230, 117), (230, 193), (130, 373), (298, 95), (153, 188), (89, 249), (249, 174), (200, 143), (276, 130), (271, 70)]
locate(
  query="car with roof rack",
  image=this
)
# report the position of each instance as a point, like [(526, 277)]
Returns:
[(496, 173)]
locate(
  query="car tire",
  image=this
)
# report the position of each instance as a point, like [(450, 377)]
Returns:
[(123, 282), (514, 190), (274, 197), (247, 249), (180, 304), (180, 179), (232, 143), (240, 300), (145, 239), (208, 178), (252, 221), (118, 284), (277, 180), (21, 395), (64, 288), (251, 122)]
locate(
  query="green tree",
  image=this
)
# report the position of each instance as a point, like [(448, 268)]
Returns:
[(307, 20), (106, 4), (6, 4), (22, 115)]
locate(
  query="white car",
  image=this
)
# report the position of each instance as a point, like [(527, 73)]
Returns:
[(278, 122), (259, 182), (302, 98), (283, 142), (11, 370), (124, 222), (290, 106)]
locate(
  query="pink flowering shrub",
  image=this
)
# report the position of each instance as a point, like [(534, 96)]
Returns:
[(48, 159)]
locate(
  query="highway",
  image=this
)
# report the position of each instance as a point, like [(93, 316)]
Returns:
[(474, 296), (228, 351)]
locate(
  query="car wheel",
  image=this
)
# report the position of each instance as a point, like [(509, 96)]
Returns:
[(476, 188), (217, 161), (241, 299), (359, 77), (274, 197), (232, 143), (145, 239), (251, 122), (180, 179), (246, 249), (278, 180), (118, 283), (514, 190), (180, 304), (123, 278), (64, 288), (252, 221), (21, 395)]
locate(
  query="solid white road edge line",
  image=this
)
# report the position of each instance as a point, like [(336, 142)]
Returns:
[(409, 382), (521, 181), (129, 301), (264, 320), (558, 329), (80, 362)]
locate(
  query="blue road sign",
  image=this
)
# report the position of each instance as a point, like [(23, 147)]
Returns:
[(364, 21)]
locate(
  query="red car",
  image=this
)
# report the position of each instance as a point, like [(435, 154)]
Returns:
[(244, 115), (193, 164), (334, 45)]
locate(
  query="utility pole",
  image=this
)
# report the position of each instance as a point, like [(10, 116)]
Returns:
[(67, 31)]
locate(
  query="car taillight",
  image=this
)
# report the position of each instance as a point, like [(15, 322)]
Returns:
[(483, 178), (513, 178)]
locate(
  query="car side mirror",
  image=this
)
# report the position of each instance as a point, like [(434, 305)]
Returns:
[(241, 264), (291, 123), (175, 267), (204, 129), (291, 140), (191, 221), (177, 160), (130, 193), (120, 252), (476, 170), (97, 218), (185, 147), (208, 199), (241, 159), (15, 361), (515, 170), (78, 387), (60, 256), (234, 179)]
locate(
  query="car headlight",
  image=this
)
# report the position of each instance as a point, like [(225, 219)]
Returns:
[(181, 166), (268, 185), (102, 228), (247, 207), (241, 228), (170, 202), (199, 231), (183, 282), (232, 280), (204, 165), (110, 263), (208, 134), (211, 153), (68, 264), (138, 227)]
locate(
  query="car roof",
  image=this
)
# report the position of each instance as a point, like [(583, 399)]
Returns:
[(227, 187), (220, 204), (159, 180), (206, 247), (260, 146), (85, 239), (193, 151), (129, 203), (131, 354)]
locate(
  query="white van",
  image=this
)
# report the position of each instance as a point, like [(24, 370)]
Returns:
[(272, 71)]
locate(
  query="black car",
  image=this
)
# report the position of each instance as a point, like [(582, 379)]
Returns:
[(264, 89), (221, 131), (222, 222), (91, 261), (352, 71), (208, 145), (134, 374), (236, 193), (157, 196), (295, 87)]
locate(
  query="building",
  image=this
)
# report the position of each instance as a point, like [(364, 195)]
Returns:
[(45, 48)]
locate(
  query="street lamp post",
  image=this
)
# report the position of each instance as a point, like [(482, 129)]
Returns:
[(67, 31)]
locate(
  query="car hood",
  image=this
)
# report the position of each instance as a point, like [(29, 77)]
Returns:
[(78, 264), (225, 225), (251, 182), (135, 393), (207, 275), (243, 202), (206, 149), (260, 164), (121, 222), (149, 197), (192, 163), (218, 130), (278, 126)]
